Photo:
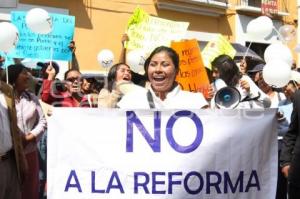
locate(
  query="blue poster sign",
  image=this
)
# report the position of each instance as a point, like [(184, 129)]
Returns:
[(41, 46)]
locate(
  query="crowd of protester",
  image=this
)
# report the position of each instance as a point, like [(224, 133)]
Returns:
[(125, 89)]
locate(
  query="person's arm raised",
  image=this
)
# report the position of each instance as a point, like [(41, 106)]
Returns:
[(46, 94), (124, 39)]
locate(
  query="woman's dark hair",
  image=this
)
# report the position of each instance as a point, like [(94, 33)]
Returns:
[(14, 71), (172, 54), (44, 67), (70, 70), (138, 79), (112, 75), (228, 70)]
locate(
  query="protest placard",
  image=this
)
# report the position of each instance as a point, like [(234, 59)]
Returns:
[(217, 46), (148, 32), (44, 46), (192, 74)]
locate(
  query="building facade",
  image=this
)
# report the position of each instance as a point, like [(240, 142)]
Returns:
[(101, 23)]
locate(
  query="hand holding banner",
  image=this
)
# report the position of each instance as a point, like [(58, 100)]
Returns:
[(172, 154)]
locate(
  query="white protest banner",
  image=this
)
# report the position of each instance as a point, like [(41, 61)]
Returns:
[(174, 154)]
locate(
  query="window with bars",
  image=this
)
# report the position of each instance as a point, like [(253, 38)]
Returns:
[(9, 3)]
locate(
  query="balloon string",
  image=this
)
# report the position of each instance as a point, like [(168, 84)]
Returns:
[(106, 79), (247, 51), (51, 55), (6, 67), (278, 34), (51, 49)]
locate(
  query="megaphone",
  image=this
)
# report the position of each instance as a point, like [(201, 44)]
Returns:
[(227, 98), (230, 97)]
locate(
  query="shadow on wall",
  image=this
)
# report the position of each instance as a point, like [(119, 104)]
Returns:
[(198, 22), (82, 13), (83, 9), (89, 7), (77, 9)]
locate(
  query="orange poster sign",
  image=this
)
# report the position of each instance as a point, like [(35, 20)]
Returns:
[(192, 74)]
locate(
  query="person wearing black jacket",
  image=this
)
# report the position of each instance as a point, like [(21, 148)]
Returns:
[(290, 152)]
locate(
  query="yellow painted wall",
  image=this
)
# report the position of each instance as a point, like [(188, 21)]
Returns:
[(286, 6), (291, 8), (227, 25), (100, 24)]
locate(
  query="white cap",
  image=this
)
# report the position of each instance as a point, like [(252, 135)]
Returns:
[(127, 86), (219, 83)]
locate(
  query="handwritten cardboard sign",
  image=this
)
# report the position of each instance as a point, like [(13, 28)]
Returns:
[(50, 46), (192, 74), (148, 32), (217, 46)]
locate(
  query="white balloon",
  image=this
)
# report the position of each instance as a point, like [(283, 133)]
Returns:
[(9, 36), (278, 51), (39, 21), (30, 63), (136, 59), (287, 32), (277, 73), (105, 58), (252, 30), (260, 28), (297, 48)]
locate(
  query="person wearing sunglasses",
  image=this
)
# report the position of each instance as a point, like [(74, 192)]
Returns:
[(71, 97)]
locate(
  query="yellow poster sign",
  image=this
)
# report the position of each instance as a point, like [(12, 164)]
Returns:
[(148, 32), (192, 74), (218, 46)]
